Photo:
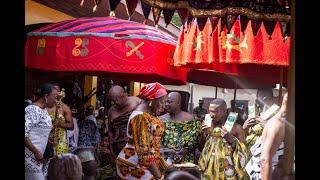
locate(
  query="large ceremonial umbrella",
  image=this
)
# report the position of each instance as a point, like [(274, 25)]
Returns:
[(221, 45), (263, 58), (120, 48)]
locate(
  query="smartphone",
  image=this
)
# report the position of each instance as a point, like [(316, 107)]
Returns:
[(232, 117), (269, 112), (251, 111), (207, 120)]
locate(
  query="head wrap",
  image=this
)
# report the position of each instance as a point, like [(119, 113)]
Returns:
[(152, 91)]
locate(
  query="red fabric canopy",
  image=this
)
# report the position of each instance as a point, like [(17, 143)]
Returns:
[(207, 47), (258, 58), (121, 48)]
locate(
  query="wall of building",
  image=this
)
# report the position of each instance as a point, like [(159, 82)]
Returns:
[(38, 13), (200, 91)]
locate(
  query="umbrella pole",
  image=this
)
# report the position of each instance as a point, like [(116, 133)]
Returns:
[(191, 99), (216, 92), (289, 140), (281, 83), (90, 83), (234, 97)]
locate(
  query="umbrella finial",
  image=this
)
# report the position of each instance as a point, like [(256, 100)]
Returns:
[(112, 13), (94, 8), (96, 3), (285, 39), (145, 21)]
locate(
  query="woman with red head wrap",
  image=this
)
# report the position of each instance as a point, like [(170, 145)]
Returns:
[(140, 158)]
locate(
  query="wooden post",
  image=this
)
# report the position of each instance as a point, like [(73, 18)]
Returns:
[(234, 97), (216, 92), (90, 82), (134, 88), (281, 84), (191, 98), (289, 141)]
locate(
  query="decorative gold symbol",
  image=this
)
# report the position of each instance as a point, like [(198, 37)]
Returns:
[(239, 46), (134, 49), (198, 42), (84, 50), (40, 47)]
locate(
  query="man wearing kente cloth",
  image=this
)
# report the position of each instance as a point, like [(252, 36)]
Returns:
[(62, 121), (181, 132), (118, 116), (254, 127), (224, 155)]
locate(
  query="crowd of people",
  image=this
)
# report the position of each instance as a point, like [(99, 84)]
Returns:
[(150, 137)]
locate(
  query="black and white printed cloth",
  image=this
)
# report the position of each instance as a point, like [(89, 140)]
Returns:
[(37, 128), (253, 166)]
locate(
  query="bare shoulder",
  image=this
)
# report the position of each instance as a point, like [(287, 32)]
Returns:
[(165, 117), (274, 129), (110, 112), (134, 99), (188, 116), (238, 132), (140, 107), (52, 109), (237, 128), (110, 109), (66, 108)]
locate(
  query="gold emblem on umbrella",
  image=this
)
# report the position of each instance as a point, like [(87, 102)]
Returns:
[(84, 50), (41, 45), (134, 49)]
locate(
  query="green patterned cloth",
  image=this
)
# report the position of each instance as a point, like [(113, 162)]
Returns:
[(253, 133), (182, 134), (59, 136)]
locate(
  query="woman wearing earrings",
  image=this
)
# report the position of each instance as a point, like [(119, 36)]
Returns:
[(37, 128), (140, 158)]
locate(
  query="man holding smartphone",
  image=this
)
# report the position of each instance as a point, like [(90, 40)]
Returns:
[(254, 125), (223, 146)]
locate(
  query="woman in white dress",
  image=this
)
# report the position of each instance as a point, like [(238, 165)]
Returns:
[(37, 128)]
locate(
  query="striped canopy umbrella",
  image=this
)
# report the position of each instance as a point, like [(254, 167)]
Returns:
[(121, 48)]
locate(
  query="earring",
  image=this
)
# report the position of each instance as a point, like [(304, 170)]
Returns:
[(45, 100), (150, 103)]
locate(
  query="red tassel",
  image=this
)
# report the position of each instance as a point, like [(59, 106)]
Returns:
[(82, 1)]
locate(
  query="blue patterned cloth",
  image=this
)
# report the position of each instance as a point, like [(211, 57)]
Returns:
[(89, 133)]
